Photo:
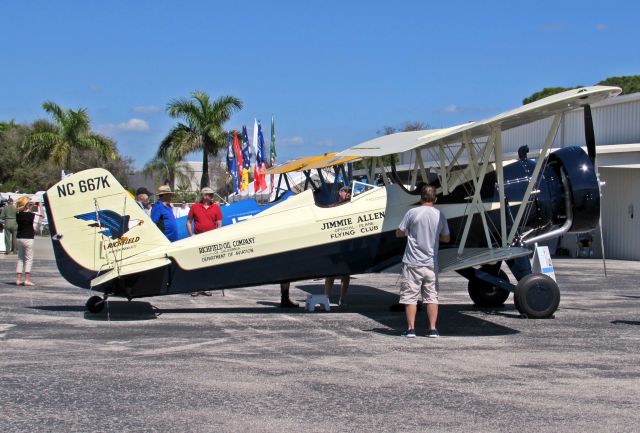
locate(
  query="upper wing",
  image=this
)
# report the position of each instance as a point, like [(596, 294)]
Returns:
[(294, 165), (541, 109)]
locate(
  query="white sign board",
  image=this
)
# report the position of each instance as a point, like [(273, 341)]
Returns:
[(2, 242), (541, 262)]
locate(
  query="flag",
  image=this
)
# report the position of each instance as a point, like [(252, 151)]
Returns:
[(263, 177), (262, 182), (231, 163), (256, 178), (254, 141), (245, 181), (246, 151), (230, 156), (238, 153), (260, 150), (272, 148)]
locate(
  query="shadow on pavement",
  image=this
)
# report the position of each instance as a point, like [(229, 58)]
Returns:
[(625, 322), (367, 301), (114, 311)]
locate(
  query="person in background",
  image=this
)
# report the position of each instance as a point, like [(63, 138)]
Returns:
[(182, 210), (285, 300), (424, 226), (8, 215), (162, 215), (206, 216), (344, 286), (142, 198), (24, 239), (344, 195)]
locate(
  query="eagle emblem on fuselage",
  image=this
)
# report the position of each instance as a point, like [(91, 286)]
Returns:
[(112, 223)]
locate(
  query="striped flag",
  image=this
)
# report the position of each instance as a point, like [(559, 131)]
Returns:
[(238, 153), (231, 163), (246, 150)]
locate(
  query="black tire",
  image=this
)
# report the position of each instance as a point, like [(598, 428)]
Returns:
[(486, 295), (537, 296), (95, 304)]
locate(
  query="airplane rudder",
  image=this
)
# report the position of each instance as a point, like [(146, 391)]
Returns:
[(96, 222)]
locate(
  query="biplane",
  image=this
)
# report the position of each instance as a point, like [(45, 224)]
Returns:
[(496, 209)]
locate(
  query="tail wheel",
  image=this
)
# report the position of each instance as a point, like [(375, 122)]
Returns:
[(486, 295), (537, 296), (95, 304)]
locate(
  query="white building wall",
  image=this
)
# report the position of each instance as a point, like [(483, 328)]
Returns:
[(621, 212)]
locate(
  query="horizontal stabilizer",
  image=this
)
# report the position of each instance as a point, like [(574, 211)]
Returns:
[(130, 268)]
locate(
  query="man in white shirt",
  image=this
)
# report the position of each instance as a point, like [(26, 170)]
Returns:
[(424, 226), (181, 211)]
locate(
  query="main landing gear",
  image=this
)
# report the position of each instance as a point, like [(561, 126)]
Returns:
[(487, 294), (95, 304), (536, 296)]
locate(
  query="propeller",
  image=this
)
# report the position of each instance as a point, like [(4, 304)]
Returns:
[(590, 140), (589, 135)]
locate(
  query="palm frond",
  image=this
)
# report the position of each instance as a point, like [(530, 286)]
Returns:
[(224, 107), (185, 108), (172, 142), (40, 145), (99, 143), (59, 114)]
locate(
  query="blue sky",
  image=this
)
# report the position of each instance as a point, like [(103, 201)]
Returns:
[(333, 73)]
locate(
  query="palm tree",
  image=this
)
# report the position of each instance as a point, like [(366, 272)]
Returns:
[(165, 167), (202, 129), (71, 132)]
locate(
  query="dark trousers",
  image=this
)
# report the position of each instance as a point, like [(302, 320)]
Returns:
[(10, 233)]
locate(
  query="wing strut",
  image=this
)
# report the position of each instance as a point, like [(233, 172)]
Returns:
[(500, 179), (544, 152), (476, 200)]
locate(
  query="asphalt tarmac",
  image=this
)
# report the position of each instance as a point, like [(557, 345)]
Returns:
[(239, 363)]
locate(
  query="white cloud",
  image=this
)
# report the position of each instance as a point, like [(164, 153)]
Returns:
[(602, 27), (451, 108), (554, 27), (327, 143), (293, 141), (131, 125), (147, 109)]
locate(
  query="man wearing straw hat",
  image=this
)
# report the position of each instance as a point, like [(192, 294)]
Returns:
[(162, 213)]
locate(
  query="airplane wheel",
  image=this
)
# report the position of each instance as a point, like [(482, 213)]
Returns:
[(486, 295), (537, 296), (95, 304)]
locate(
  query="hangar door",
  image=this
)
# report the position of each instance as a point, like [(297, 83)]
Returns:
[(621, 211)]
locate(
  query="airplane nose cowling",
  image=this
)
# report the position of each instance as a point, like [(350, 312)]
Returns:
[(583, 184)]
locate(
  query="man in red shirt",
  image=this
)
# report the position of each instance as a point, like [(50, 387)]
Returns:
[(206, 216)]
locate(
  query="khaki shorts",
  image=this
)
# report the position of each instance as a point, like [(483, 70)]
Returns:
[(416, 282)]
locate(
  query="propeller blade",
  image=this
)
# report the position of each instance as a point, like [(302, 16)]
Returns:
[(589, 134)]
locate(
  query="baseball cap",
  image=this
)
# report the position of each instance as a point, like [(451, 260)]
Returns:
[(143, 190)]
